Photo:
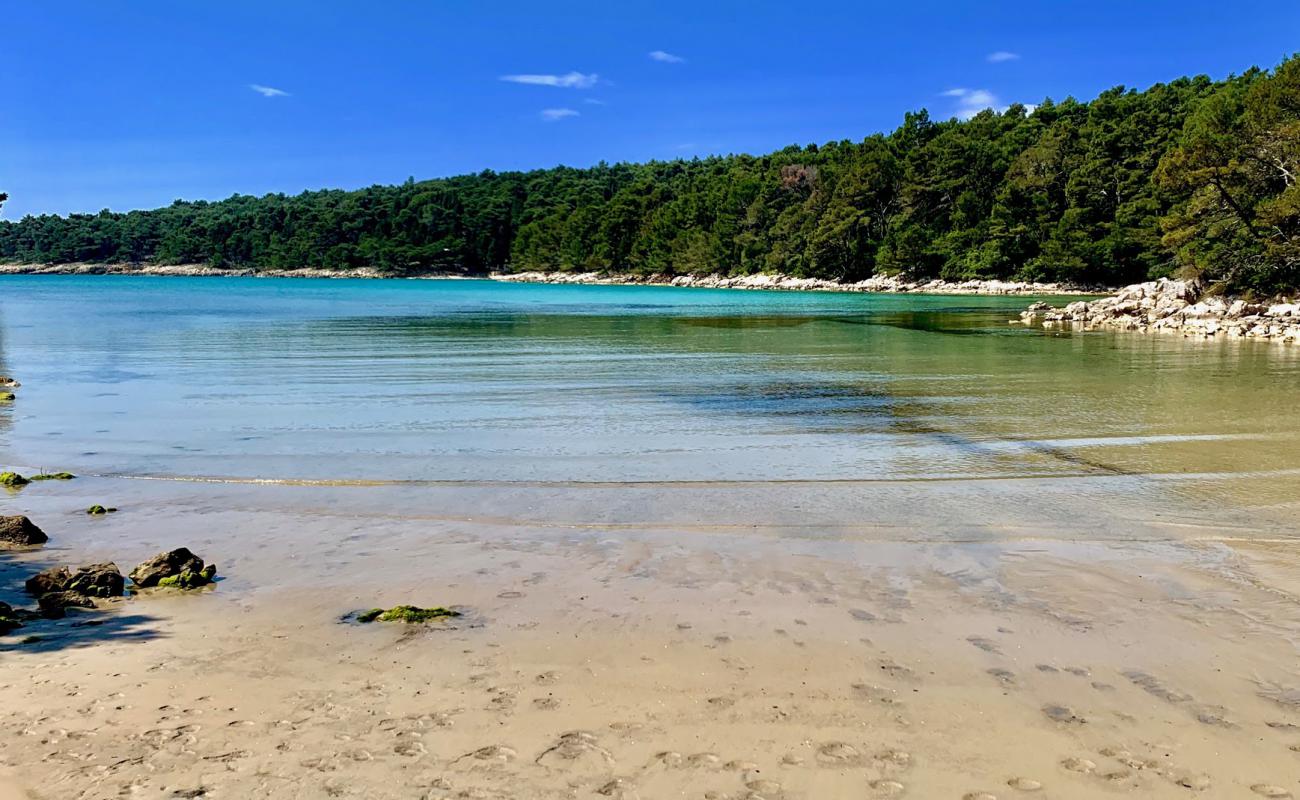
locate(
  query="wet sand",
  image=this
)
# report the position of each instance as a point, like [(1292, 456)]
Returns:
[(624, 644)]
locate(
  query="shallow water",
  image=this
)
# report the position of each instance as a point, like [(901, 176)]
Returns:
[(500, 384), (813, 545)]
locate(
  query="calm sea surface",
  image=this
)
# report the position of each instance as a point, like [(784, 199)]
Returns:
[(497, 383)]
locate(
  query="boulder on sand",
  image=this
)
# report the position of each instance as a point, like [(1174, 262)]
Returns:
[(179, 568), (55, 604), (8, 620), (97, 580), (54, 579), (19, 530), (92, 580)]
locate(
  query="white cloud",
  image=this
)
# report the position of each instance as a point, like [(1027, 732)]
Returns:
[(569, 80), (972, 101), (665, 57), (267, 91), (1000, 56), (557, 114)]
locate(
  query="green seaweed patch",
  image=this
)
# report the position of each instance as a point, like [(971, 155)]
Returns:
[(53, 476), (189, 579), (408, 614), (12, 479), (7, 397), (98, 510)]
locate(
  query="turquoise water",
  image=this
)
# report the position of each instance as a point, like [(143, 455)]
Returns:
[(484, 382)]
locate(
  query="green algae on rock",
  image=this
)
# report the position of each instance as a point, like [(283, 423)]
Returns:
[(189, 579), (406, 614), (8, 621), (12, 479), (53, 476), (7, 397), (98, 510), (168, 564)]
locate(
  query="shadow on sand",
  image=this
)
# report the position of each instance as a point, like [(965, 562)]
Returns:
[(114, 621)]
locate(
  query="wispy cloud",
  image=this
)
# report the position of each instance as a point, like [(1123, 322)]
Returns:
[(591, 101), (267, 91), (557, 114), (972, 101), (569, 80), (999, 56), (666, 57)]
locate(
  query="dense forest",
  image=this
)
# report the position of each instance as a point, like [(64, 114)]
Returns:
[(1191, 177)]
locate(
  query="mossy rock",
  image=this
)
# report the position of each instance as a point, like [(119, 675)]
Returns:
[(98, 510), (7, 397), (53, 476), (8, 620), (12, 479), (189, 579), (407, 614)]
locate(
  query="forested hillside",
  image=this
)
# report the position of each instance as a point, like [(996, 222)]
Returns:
[(1189, 176)]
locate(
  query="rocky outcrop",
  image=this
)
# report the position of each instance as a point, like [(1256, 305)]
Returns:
[(54, 579), (20, 531), (1175, 307), (878, 283), (8, 382), (54, 605), (92, 580), (98, 580), (201, 271), (177, 568), (8, 619)]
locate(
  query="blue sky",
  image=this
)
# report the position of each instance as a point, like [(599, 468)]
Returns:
[(134, 104)]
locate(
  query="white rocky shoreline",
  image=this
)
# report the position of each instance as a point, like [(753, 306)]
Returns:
[(184, 271), (769, 282), (1173, 306)]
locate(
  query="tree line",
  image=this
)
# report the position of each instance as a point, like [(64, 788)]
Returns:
[(1193, 177)]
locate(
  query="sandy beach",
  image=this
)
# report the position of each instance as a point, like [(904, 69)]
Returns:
[(648, 660)]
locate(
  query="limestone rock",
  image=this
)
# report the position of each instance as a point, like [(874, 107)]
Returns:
[(54, 579), (170, 564), (97, 580), (19, 530), (55, 604)]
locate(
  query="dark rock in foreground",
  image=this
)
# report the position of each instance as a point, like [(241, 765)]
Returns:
[(54, 579), (92, 580), (55, 604), (97, 580), (8, 620), (19, 530), (177, 568)]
